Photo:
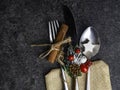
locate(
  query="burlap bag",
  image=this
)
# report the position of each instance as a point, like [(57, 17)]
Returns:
[(99, 77)]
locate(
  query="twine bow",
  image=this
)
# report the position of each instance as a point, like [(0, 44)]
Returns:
[(60, 58), (53, 46)]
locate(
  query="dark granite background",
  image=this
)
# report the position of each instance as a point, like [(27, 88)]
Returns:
[(23, 22)]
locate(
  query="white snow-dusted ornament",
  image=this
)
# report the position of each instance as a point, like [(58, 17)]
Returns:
[(80, 59), (83, 59)]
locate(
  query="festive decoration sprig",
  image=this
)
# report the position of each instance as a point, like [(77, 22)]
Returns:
[(75, 61)]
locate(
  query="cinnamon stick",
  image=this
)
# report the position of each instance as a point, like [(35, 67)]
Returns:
[(60, 36)]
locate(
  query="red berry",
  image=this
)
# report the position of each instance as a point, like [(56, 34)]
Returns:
[(77, 50), (71, 57), (84, 68), (88, 63)]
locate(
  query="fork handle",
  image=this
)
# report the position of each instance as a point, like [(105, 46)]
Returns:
[(60, 36), (76, 83)]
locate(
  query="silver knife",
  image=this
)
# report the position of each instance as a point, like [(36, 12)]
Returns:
[(69, 20)]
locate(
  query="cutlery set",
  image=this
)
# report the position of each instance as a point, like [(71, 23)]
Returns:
[(76, 55)]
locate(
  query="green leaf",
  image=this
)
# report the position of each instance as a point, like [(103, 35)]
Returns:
[(64, 68), (80, 74), (70, 74)]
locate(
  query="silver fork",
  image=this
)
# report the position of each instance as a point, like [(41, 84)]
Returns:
[(53, 29)]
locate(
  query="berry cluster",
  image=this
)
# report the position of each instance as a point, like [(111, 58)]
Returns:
[(76, 62)]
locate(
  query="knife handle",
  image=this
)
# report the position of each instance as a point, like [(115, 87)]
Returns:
[(60, 36)]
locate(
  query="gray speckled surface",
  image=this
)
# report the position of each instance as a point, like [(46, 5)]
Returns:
[(23, 22)]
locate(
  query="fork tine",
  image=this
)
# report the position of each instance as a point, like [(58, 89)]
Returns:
[(57, 23), (53, 30), (54, 22), (50, 32)]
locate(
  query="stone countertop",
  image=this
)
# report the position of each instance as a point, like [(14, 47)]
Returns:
[(23, 22)]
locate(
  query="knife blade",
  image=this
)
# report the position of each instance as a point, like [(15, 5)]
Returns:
[(69, 20)]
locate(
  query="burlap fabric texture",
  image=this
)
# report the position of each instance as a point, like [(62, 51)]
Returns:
[(99, 78)]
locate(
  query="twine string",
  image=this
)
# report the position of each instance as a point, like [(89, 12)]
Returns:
[(53, 47)]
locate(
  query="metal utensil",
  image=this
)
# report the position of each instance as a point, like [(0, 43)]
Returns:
[(53, 29), (69, 20), (91, 43)]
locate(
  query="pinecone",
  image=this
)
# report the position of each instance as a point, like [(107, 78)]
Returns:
[(74, 69)]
